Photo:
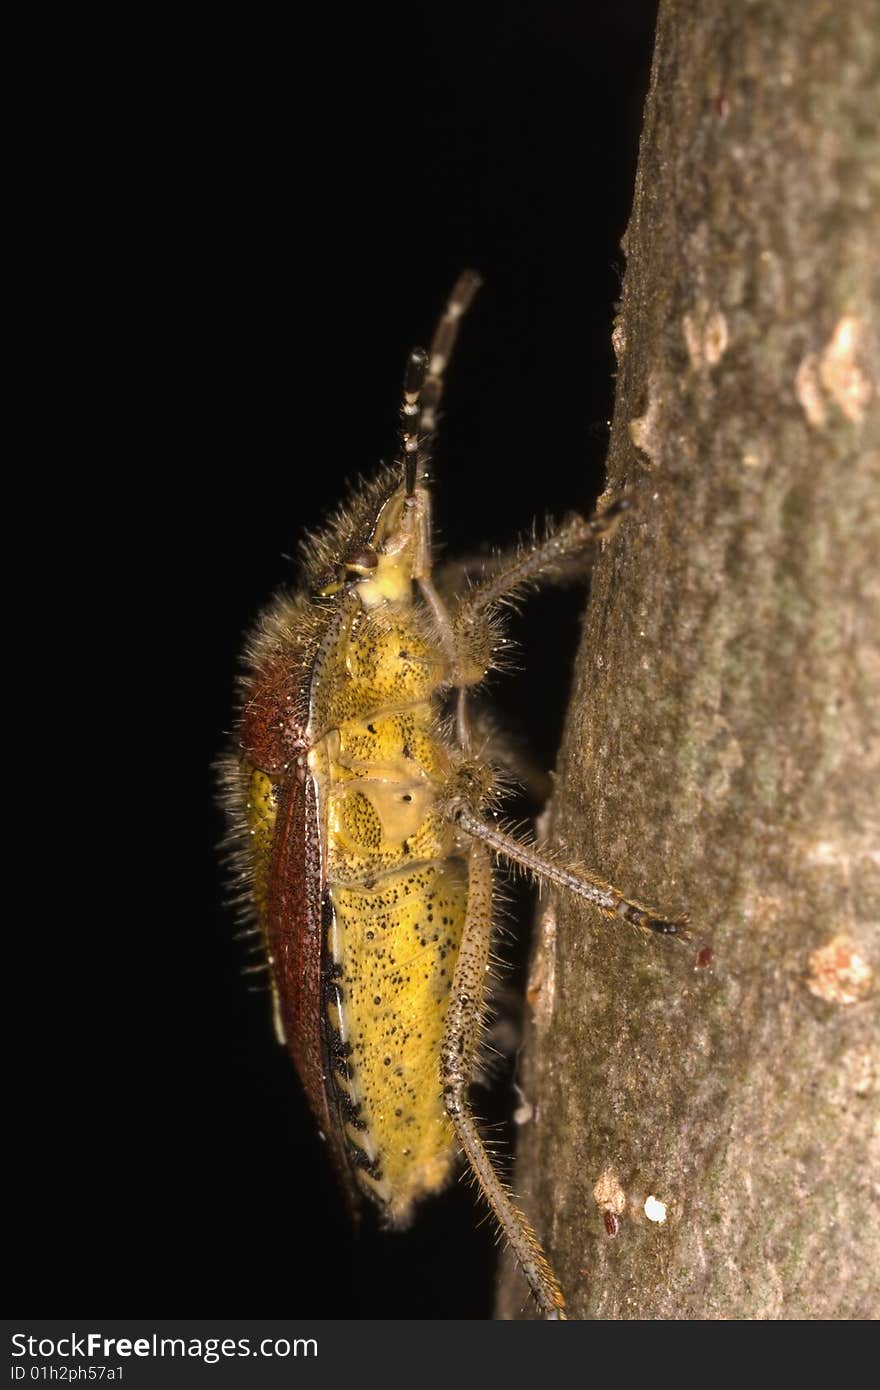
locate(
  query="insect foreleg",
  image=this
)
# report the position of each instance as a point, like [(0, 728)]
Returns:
[(608, 899), (546, 560), (457, 1059)]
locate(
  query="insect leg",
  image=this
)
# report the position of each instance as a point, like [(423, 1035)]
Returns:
[(608, 899), (504, 576), (457, 1058)]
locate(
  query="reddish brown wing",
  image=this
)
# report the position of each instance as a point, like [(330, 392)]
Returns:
[(296, 892)]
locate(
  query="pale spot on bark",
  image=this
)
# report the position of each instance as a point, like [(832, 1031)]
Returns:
[(860, 1068), (841, 375), (644, 430), (809, 392), (655, 1210), (844, 853), (706, 335), (835, 376), (618, 338), (541, 987), (838, 974), (608, 1193), (524, 1113)]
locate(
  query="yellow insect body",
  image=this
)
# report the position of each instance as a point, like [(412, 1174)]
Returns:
[(397, 880), (372, 676)]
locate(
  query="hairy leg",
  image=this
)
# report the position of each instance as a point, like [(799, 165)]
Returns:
[(608, 899), (457, 1065)]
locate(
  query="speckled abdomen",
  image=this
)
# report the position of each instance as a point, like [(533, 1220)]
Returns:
[(395, 905)]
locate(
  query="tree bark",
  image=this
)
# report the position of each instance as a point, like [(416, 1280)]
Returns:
[(723, 742)]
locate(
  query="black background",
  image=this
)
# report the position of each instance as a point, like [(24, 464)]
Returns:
[(254, 216)]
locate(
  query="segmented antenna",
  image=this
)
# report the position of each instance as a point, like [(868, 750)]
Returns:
[(423, 378), (411, 413), (443, 342)]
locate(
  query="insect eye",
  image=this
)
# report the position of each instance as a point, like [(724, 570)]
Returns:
[(356, 564), (361, 560)]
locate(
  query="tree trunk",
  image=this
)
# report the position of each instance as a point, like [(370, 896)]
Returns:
[(722, 747)]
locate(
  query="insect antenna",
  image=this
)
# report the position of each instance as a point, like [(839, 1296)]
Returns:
[(443, 342), (411, 413), (423, 377)]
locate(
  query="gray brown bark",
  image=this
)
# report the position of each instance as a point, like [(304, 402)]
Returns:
[(723, 742)]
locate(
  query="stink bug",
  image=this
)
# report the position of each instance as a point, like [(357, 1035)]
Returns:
[(363, 826)]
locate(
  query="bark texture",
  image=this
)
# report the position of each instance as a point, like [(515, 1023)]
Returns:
[(723, 743)]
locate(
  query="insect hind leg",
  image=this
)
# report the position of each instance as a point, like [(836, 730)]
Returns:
[(457, 1061)]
